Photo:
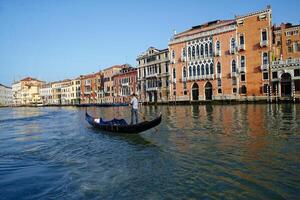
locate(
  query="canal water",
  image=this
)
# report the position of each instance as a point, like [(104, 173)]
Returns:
[(198, 152)]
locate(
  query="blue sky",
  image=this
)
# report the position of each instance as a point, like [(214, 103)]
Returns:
[(58, 39)]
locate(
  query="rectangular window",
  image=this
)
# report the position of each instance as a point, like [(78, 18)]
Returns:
[(234, 90), (290, 49), (274, 75), (264, 36), (185, 92), (219, 82), (265, 75), (219, 90), (242, 39)]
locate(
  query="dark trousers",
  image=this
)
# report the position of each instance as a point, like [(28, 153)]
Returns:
[(134, 112)]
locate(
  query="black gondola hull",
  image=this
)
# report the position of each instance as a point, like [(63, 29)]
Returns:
[(128, 129)]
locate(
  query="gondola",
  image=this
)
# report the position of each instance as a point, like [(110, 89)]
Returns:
[(121, 126)]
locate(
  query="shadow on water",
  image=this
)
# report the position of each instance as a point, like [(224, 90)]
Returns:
[(135, 139)]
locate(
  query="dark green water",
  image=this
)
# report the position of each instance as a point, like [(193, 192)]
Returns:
[(198, 152)]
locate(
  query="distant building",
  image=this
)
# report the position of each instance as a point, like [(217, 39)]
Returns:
[(125, 84), (16, 93), (90, 86), (46, 93), (285, 68), (153, 75), (5, 95), (75, 91), (30, 91), (107, 94)]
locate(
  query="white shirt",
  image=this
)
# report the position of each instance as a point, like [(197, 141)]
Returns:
[(134, 102)]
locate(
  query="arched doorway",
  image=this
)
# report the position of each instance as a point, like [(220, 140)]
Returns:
[(208, 91), (286, 85), (195, 92)]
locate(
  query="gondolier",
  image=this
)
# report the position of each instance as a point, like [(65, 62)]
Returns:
[(134, 108)]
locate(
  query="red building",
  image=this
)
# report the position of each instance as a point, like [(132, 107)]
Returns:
[(125, 84)]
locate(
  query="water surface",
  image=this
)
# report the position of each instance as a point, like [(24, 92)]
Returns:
[(198, 152)]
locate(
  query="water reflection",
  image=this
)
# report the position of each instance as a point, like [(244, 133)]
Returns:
[(199, 152)]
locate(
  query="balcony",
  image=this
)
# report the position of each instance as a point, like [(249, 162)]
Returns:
[(264, 67), (243, 69), (232, 50), (241, 47), (263, 43), (286, 63), (151, 89), (234, 74), (125, 84), (151, 75), (218, 53)]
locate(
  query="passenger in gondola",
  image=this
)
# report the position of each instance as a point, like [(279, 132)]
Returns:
[(134, 108)]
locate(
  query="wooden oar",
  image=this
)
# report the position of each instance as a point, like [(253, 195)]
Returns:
[(144, 118)]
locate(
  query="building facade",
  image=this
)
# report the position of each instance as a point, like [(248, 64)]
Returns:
[(46, 94), (222, 59), (90, 85), (125, 84), (285, 66), (5, 95), (30, 91), (153, 75), (107, 94), (16, 93)]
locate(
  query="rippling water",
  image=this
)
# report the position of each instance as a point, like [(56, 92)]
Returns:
[(198, 152)]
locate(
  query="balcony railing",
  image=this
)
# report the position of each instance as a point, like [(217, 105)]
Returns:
[(151, 75), (288, 62), (263, 43), (151, 88), (232, 50), (234, 74), (241, 47), (264, 67), (218, 53)]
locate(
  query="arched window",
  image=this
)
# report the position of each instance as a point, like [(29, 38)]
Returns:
[(265, 58), (232, 43), (198, 70), (173, 54), (210, 49), (193, 51), (218, 46), (189, 52), (184, 72), (190, 71), (206, 69), (242, 61), (219, 68), (194, 70), (206, 49), (201, 50), (184, 52), (211, 68), (197, 51), (233, 66), (174, 73), (202, 69)]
